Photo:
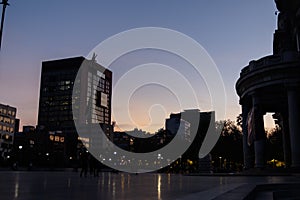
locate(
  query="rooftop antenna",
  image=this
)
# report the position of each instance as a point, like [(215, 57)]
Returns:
[(94, 57), (5, 3)]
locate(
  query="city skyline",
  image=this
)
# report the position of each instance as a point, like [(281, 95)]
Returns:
[(232, 33), (152, 99)]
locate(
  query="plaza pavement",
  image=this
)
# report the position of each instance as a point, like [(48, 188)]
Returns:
[(56, 185)]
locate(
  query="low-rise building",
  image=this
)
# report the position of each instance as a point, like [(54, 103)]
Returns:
[(7, 129)]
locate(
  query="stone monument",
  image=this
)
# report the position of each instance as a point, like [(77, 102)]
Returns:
[(272, 84)]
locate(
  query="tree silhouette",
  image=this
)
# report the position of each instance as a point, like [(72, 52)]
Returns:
[(229, 145), (274, 144)]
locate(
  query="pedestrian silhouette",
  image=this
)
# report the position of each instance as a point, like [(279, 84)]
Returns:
[(84, 163)]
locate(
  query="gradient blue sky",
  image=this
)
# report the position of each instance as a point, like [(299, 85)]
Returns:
[(233, 32)]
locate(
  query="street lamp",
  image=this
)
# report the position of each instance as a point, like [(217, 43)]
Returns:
[(220, 162), (20, 159), (5, 3)]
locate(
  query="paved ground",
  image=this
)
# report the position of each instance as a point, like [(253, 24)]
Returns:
[(68, 185)]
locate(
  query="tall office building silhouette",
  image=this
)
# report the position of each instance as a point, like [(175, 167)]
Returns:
[(55, 117)]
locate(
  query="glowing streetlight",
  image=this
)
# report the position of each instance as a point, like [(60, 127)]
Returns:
[(220, 162)]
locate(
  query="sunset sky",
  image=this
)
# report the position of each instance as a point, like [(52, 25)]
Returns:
[(233, 33)]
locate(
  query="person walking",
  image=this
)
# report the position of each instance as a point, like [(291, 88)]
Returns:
[(84, 163)]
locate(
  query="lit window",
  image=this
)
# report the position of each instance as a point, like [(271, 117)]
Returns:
[(51, 137), (56, 138), (6, 120)]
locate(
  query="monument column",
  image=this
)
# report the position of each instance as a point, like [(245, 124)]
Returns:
[(294, 123), (247, 150), (286, 140), (259, 131)]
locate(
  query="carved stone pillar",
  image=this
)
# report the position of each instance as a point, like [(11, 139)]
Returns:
[(286, 140), (260, 135), (247, 150), (294, 124)]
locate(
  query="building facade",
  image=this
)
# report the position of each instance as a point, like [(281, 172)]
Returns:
[(186, 123), (55, 118), (7, 129), (24, 148)]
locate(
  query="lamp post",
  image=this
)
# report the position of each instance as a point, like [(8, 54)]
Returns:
[(5, 3), (20, 156), (220, 162)]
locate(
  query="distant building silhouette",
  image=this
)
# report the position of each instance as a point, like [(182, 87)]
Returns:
[(173, 126), (184, 123), (55, 117), (24, 147), (7, 129), (17, 125)]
